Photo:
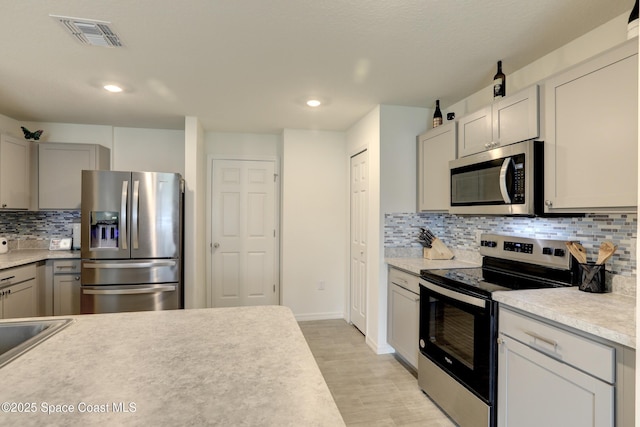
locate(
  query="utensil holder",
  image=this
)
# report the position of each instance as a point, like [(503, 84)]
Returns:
[(592, 277), (438, 250)]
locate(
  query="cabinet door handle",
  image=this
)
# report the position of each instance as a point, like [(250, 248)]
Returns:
[(549, 341), (7, 278)]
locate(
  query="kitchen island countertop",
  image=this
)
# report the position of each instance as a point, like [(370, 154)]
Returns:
[(225, 366), (610, 316)]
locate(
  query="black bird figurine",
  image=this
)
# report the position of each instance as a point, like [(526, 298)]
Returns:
[(31, 135)]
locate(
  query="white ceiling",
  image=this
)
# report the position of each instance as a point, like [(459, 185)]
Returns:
[(248, 65)]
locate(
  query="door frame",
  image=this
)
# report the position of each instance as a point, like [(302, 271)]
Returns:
[(208, 249)]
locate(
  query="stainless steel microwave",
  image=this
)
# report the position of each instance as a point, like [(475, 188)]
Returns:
[(504, 181)]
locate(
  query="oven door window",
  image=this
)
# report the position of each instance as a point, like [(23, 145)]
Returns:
[(457, 336)]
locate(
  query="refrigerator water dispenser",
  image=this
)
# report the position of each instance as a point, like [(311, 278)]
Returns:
[(104, 230)]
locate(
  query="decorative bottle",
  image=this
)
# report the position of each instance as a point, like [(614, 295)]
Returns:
[(437, 115), (499, 83), (632, 26)]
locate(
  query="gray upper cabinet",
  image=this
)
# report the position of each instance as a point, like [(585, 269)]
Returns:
[(15, 162), (512, 119), (60, 168), (591, 134), (435, 148)]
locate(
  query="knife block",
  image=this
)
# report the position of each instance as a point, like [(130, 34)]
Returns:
[(438, 250)]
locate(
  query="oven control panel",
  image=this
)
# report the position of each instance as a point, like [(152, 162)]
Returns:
[(526, 248), (551, 253)]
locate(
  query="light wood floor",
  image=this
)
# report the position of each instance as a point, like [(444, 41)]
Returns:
[(369, 389)]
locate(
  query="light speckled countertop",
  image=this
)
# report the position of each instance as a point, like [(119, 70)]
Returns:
[(610, 316), (17, 257), (228, 366), (414, 265)]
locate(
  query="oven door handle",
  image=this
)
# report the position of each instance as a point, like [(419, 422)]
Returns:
[(130, 291), (458, 296), (503, 180)]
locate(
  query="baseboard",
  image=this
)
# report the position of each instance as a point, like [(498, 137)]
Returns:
[(319, 316), (379, 349)]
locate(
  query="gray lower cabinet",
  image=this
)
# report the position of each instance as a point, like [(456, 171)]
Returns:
[(66, 287), (18, 292), (551, 376), (403, 314)]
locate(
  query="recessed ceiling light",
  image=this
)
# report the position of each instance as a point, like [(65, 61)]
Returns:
[(313, 103), (113, 88)]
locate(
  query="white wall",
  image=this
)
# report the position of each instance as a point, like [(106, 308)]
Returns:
[(242, 144), (637, 319), (389, 134), (365, 135), (236, 146), (314, 223), (399, 127), (149, 150), (195, 243), (155, 150), (70, 132), (596, 41), (11, 126)]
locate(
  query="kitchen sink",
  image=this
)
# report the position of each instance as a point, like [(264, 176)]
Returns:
[(18, 337)]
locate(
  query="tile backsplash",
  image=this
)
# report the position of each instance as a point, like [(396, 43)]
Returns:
[(463, 232), (32, 230)]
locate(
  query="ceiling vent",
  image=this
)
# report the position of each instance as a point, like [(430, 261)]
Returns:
[(87, 31)]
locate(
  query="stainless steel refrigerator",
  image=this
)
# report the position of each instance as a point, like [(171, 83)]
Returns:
[(132, 231)]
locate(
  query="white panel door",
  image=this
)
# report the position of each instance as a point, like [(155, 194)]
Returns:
[(358, 251), (243, 233)]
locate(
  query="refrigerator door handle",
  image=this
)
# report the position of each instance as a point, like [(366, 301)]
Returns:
[(134, 214), (123, 214), (131, 291), (129, 264)]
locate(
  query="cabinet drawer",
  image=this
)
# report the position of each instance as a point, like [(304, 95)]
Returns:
[(587, 355), (405, 280), (66, 266), (17, 274)]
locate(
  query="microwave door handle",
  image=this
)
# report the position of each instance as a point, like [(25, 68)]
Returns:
[(503, 180)]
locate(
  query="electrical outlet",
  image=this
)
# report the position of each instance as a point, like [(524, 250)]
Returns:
[(321, 285)]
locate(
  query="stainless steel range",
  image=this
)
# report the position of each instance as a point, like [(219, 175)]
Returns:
[(457, 365)]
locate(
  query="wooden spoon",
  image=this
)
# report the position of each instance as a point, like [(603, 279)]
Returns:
[(578, 252), (582, 250), (607, 249)]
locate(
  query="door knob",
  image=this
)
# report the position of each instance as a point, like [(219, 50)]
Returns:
[(216, 245)]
